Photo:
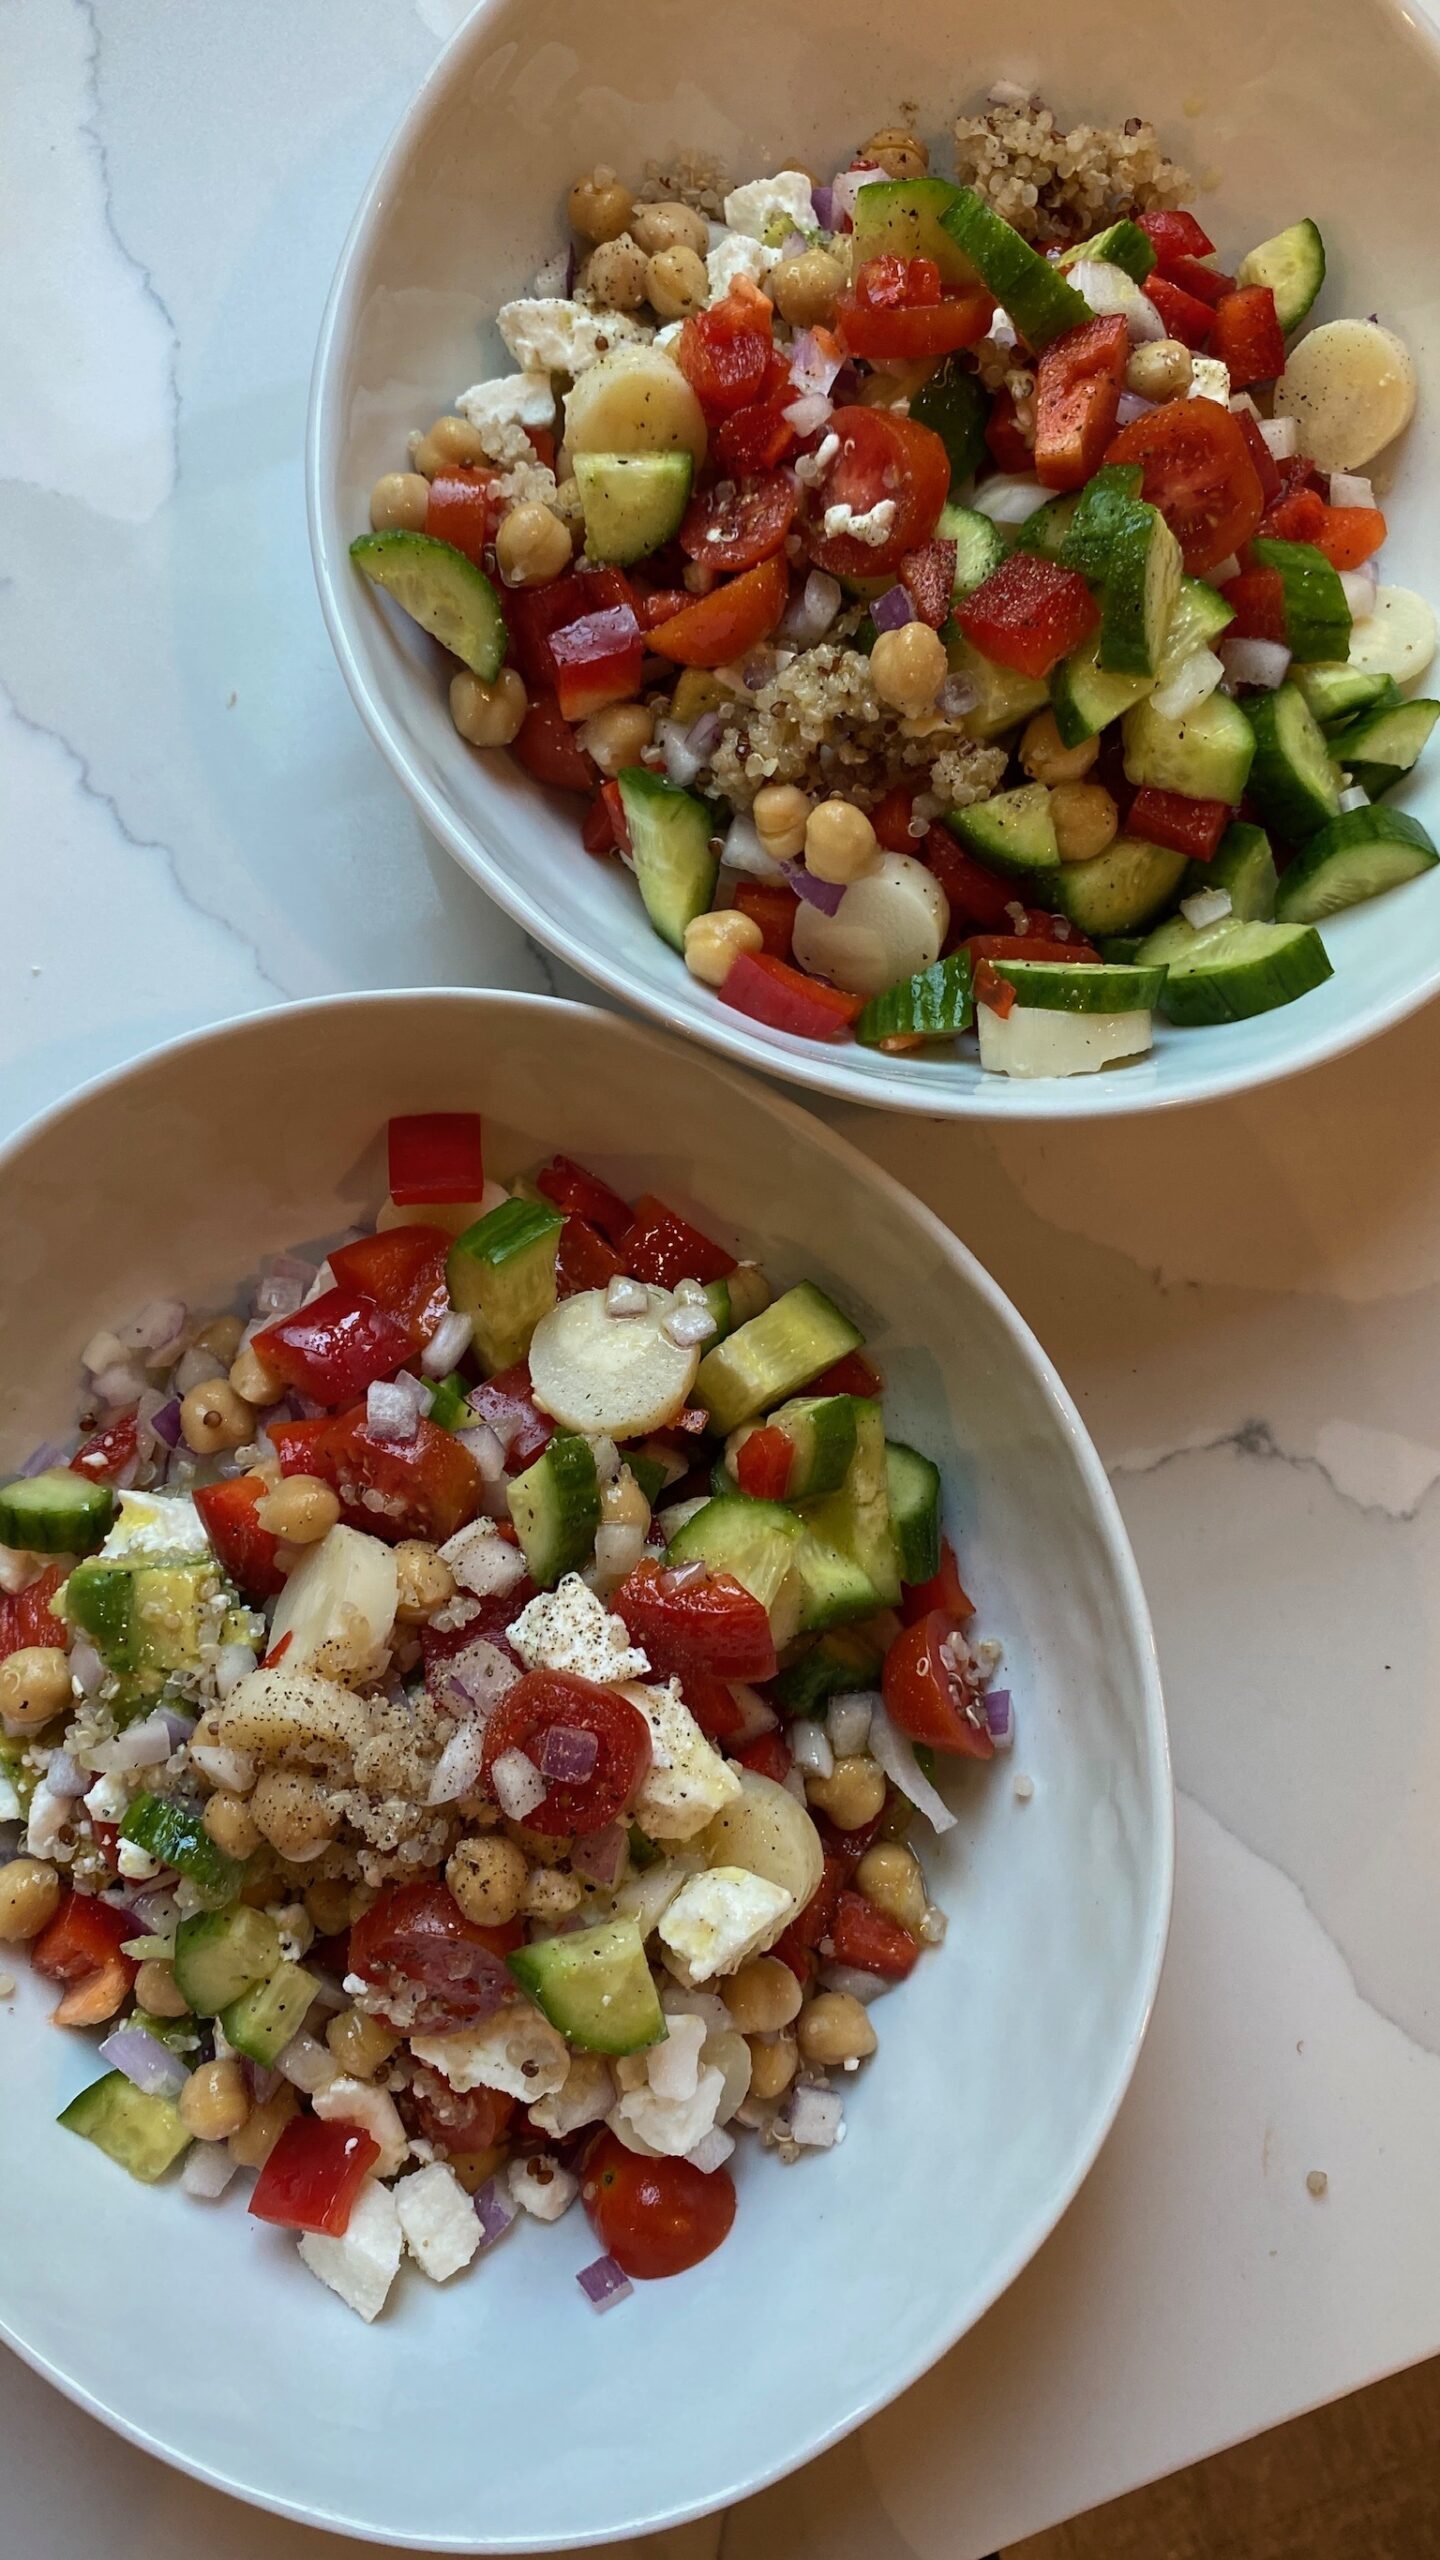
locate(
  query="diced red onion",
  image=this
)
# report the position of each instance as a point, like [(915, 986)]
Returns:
[(306, 2064), (824, 894), (158, 1324), (222, 1765), (1132, 407), (391, 1410), (568, 1753), (1002, 332), (893, 610), (457, 1771), (843, 193), (65, 1778), (233, 1663), (742, 850), (483, 1564), (794, 245), (619, 1546), (823, 200), (486, 1448), (121, 1384), (810, 1746), (1010, 497), (813, 367), (704, 733), (600, 1855), (1361, 586), (141, 1746), (758, 1717), (957, 695), (49, 1454), (447, 1345), (1352, 797), (681, 763), (711, 2151), (495, 2210), (811, 610), (1111, 293), (263, 2081), (814, 2118), (1240, 404), (758, 669), (1259, 662), (896, 1755), (1351, 489), (808, 414), (208, 2170), (1189, 684), (282, 1286), (195, 1368), (145, 2061), (683, 1577), (157, 1909), (1206, 906), (848, 1977), (518, 1785), (603, 2283), (999, 1711), (847, 1722), (1282, 435), (1223, 571), (166, 1423)]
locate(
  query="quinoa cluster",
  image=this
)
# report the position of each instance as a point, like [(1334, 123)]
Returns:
[(819, 723), (1055, 186)]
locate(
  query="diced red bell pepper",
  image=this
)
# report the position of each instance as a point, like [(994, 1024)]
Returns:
[(763, 1463), (1298, 516), (583, 1195), (1005, 438), (870, 1940), (336, 1347), (548, 748), (715, 1625), (507, 1403), (997, 994), (1257, 600), (756, 438), (928, 578), (27, 1618), (1077, 394), (1248, 338), (108, 1452), (851, 1375), (435, 1155), (403, 1270), (769, 1754), (313, 2176), (1175, 235), (1028, 614), (977, 896), (733, 618), (84, 1936), (1296, 472), (464, 510), (662, 1247), (890, 284), (713, 1705), (1350, 536), (246, 1551), (798, 1944), (944, 1590), (1267, 470), (1185, 316), (584, 1260), (427, 1487), (597, 828), (597, 660), (1186, 826), (534, 614), (1207, 284), (891, 818), (784, 999), (772, 906), (724, 353), (1039, 941)]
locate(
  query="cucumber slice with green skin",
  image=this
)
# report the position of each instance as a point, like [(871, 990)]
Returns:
[(1142, 587), (220, 1955), (1102, 509), (555, 1506), (595, 1986), (174, 1833), (936, 1004), (632, 502), (55, 1514), (1040, 302), (1389, 741), (1229, 971), (1317, 617), (1121, 890), (953, 405), (1123, 245), (501, 1273), (1339, 694), (1085, 698), (651, 1474), (143, 2135), (1056, 986), (1205, 754), (450, 1404), (1357, 856), (757, 1542), (845, 1659), (979, 543), (1013, 832), (821, 1430), (914, 1487), (1292, 780), (1244, 866), (736, 1300), (1047, 531), (1003, 697), (1293, 266), (261, 2022), (834, 1589), (856, 1520), (675, 866), (1201, 614), (442, 591), (1120, 949), (904, 218), (800, 1334)]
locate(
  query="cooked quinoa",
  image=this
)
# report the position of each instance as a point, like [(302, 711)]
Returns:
[(693, 177), (1057, 186), (820, 723)]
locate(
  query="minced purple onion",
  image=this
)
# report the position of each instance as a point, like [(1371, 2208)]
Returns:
[(823, 200), (604, 2282), (600, 1855), (495, 2210), (49, 1454), (166, 1423), (568, 1753), (999, 1718), (893, 610), (824, 894)]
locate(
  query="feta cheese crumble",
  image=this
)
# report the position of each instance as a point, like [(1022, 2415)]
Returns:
[(516, 2051), (540, 2186), (501, 411), (553, 335), (568, 1629), (770, 208), (687, 1782), (735, 255), (722, 1918), (873, 527), (155, 1528), (438, 2222), (362, 2265)]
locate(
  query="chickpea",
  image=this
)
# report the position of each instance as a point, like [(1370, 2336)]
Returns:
[(1045, 757), (29, 1899), (600, 206), (853, 1793), (658, 227), (425, 1582), (327, 1904), (488, 715), (220, 1336), (900, 153), (449, 440), (532, 545), (34, 1686), (840, 842), (836, 2028), (677, 283), (1085, 819), (398, 502), (293, 1812), (214, 1417), (552, 1894), (618, 735), (713, 944), (253, 1378), (541, 1848), (806, 289), (623, 1505), (215, 2101), (301, 1510), (781, 814), (617, 274), (1160, 369), (362, 2045), (157, 1990), (230, 1823), (908, 667), (475, 2168), (890, 1877), (774, 2061), (488, 1879), (763, 1996), (251, 2147)]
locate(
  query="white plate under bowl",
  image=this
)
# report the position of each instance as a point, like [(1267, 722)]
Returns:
[(1279, 113), (501, 2413)]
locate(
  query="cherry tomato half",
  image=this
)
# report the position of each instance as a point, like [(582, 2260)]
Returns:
[(931, 1690), (881, 456), (654, 2217), (1198, 472), (710, 1625), (456, 2119), (731, 528), (416, 1946), (553, 1698)]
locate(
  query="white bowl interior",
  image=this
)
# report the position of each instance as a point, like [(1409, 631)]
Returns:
[(469, 202), (496, 2415)]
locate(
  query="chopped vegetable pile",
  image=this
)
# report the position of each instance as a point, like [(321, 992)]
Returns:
[(957, 616), (463, 1720)]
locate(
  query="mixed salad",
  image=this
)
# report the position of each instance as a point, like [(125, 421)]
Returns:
[(462, 1725), (956, 603)]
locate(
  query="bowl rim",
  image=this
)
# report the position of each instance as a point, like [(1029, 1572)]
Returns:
[(1118, 1556), (812, 1065)]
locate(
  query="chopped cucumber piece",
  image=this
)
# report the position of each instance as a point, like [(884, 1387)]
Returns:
[(833, 1588), (933, 1005), (904, 218), (1337, 694), (220, 1955), (1031, 1042), (1293, 266), (1292, 780), (1013, 832), (845, 1658), (651, 1474), (1122, 889), (55, 1514), (675, 866), (757, 1542), (501, 1273), (595, 1986), (555, 1506), (1353, 858), (442, 591), (1244, 866), (1204, 754), (261, 2022), (1201, 614), (913, 1482), (821, 1430), (1040, 302), (450, 1404), (856, 1520), (1102, 511), (1142, 587), (1377, 752), (1047, 531), (1086, 697), (1317, 617), (1228, 971), (798, 1335), (144, 2135), (1059, 986), (1123, 244), (1003, 697), (174, 1833), (979, 543), (632, 502), (953, 405)]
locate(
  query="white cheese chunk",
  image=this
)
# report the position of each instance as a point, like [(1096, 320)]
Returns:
[(440, 2226), (359, 2102), (1209, 380), (647, 2122), (554, 335), (586, 2096), (672, 2067), (517, 2050), (687, 1782), (501, 411), (1032, 1041), (720, 1919), (873, 526), (540, 2186), (568, 1629), (771, 208), (735, 255), (155, 1528), (362, 2265)]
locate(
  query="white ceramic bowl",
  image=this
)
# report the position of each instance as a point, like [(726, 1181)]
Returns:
[(500, 2414), (1293, 115)]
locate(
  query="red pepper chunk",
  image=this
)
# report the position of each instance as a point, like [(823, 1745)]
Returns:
[(871, 1941), (928, 578), (597, 660), (336, 1347), (548, 749), (1005, 437), (1248, 338), (772, 907), (1257, 600), (1350, 536), (463, 510), (246, 1551), (435, 1155), (784, 999), (1175, 235), (913, 329), (769, 1756), (978, 897), (1187, 826), (313, 2176), (796, 1947), (662, 1247), (852, 1375), (534, 614), (730, 620), (584, 1260), (1208, 284), (1267, 469), (1185, 316), (403, 1270), (106, 1454), (84, 1937), (27, 1618), (583, 1195), (1077, 394), (763, 1463), (1029, 614), (944, 1590)]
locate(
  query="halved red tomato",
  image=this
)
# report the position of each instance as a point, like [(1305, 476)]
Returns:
[(427, 1487), (882, 458), (546, 1702), (403, 1270), (732, 529), (730, 620), (710, 1625), (417, 1949), (654, 2217), (931, 1689), (1197, 470)]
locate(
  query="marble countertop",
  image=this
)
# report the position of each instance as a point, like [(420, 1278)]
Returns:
[(1244, 1300)]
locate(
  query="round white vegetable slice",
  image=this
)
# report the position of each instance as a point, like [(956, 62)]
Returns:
[(1397, 638), (634, 400), (593, 1371), (1350, 386), (766, 1830), (890, 922), (338, 1606)]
